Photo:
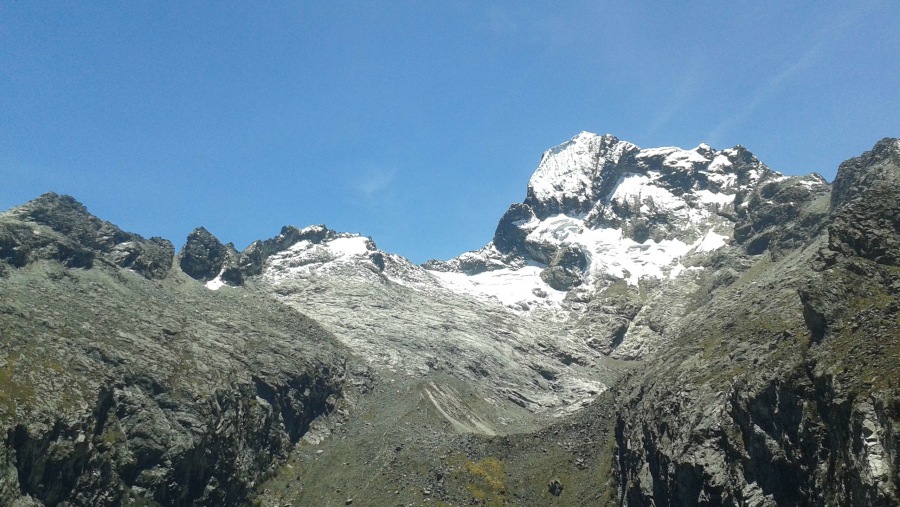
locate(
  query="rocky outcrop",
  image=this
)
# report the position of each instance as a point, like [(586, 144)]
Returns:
[(509, 237), (606, 320), (254, 256), (869, 228), (68, 234), (160, 447), (781, 214), (877, 166), (204, 258), (793, 440), (866, 192), (566, 268)]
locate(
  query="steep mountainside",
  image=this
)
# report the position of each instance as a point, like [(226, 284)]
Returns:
[(125, 382), (648, 327), (785, 388)]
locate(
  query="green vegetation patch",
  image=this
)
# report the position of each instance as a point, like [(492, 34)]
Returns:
[(488, 481), (13, 392)]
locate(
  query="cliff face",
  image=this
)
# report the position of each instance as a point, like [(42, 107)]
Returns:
[(130, 383), (784, 391), (65, 232)]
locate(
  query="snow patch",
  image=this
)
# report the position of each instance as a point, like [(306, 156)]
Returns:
[(612, 254), (639, 188), (724, 180), (526, 224), (356, 245), (306, 257), (215, 284), (675, 157), (718, 199), (521, 289), (811, 182), (684, 159), (559, 229), (719, 164), (663, 151), (711, 241)]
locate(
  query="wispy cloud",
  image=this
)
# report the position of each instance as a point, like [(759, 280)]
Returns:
[(833, 28), (764, 92), (554, 27), (683, 93), (374, 180)]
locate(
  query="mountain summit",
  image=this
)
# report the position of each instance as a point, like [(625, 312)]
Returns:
[(598, 210)]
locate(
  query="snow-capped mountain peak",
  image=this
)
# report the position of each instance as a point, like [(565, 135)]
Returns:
[(567, 174), (598, 209)]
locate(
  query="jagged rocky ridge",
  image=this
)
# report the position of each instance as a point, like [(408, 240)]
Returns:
[(79, 240), (123, 381), (757, 314)]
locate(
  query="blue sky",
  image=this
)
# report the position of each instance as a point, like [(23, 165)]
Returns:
[(414, 122)]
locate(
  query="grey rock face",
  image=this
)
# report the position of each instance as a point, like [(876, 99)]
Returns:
[(869, 228), (254, 256), (777, 215), (876, 166), (204, 257), (607, 319), (561, 278), (509, 237), (115, 389), (76, 238), (566, 269), (774, 395), (867, 222)]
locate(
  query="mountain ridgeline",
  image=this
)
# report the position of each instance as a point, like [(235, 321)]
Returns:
[(647, 327)]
